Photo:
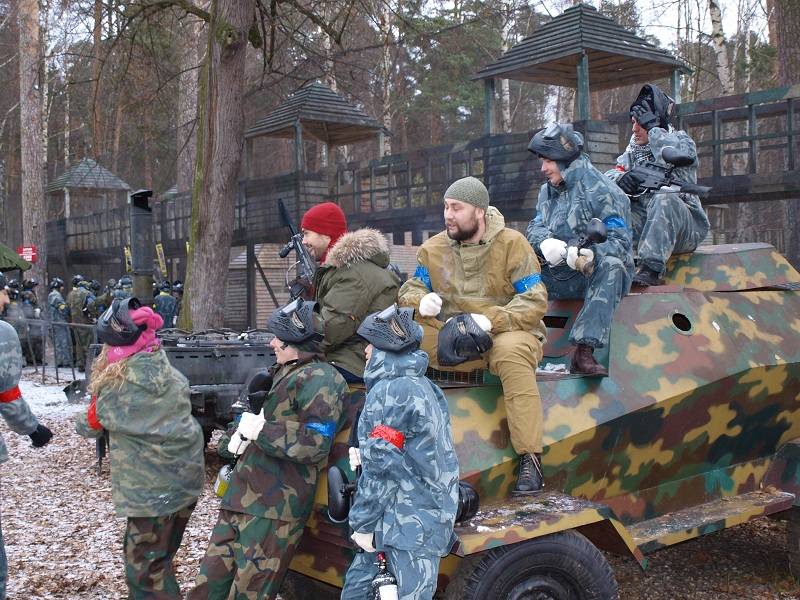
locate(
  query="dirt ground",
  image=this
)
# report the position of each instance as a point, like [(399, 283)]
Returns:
[(63, 540)]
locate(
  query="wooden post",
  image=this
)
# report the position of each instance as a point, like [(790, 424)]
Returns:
[(488, 94), (675, 86), (298, 147), (584, 106)]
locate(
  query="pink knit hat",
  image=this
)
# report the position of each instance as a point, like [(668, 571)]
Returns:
[(147, 341)]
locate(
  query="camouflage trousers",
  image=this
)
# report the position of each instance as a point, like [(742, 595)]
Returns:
[(601, 293), (150, 545), (664, 225), (247, 558), (513, 358), (416, 574), (83, 337), (3, 566)]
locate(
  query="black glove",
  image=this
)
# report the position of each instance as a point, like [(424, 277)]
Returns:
[(41, 436), (300, 288), (644, 116), (629, 183)]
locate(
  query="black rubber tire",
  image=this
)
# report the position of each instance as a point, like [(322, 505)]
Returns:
[(301, 587), (793, 541), (560, 566)]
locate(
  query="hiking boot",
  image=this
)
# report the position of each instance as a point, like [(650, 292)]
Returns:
[(530, 479), (645, 276), (583, 362)]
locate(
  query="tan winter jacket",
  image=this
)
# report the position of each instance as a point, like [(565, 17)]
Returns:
[(498, 277)]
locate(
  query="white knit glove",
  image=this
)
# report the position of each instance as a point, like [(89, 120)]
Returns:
[(430, 305), (365, 540), (572, 256), (250, 425), (238, 444), (554, 251), (482, 321), (355, 458)]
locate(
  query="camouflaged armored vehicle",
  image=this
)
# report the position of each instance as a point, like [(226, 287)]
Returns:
[(696, 428)]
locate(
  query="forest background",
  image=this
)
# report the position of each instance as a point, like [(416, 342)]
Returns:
[(160, 91)]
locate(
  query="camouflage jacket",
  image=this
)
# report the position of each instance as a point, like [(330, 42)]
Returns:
[(498, 277), (156, 452), (658, 139), (16, 412), (353, 282), (77, 300), (564, 211), (165, 306), (56, 307), (407, 495), (276, 476)]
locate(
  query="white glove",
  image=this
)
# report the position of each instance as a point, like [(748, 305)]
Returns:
[(355, 458), (572, 256), (250, 425), (365, 540), (238, 444), (37, 312), (554, 251), (482, 321), (430, 305)]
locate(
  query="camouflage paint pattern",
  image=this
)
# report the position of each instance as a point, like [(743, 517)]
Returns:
[(678, 441), (167, 307)]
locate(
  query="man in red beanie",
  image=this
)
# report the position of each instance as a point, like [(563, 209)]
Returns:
[(353, 280)]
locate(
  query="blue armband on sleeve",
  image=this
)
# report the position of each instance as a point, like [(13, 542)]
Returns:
[(616, 222), (526, 283), (327, 429), (423, 274)]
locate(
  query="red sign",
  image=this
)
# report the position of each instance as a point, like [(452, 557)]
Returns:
[(27, 252)]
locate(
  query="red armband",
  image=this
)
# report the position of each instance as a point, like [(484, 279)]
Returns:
[(621, 168), (91, 415), (11, 395), (390, 435)]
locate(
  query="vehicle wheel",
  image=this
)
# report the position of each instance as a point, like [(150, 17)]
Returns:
[(301, 587), (456, 590), (793, 541), (560, 566)]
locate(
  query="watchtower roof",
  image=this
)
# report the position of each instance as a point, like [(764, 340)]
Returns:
[(616, 56), (87, 174), (322, 113)]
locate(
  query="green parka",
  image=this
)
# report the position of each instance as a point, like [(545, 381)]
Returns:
[(156, 453), (353, 282)]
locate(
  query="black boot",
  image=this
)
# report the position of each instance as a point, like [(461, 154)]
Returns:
[(530, 479), (583, 362), (645, 276)]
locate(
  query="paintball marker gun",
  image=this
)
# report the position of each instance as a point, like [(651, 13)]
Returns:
[(301, 286), (596, 233), (658, 179)]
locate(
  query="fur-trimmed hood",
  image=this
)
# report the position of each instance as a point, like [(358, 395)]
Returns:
[(362, 244)]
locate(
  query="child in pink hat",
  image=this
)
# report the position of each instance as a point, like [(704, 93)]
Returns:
[(156, 445)]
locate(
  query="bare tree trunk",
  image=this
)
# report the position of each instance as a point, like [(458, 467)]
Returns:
[(97, 53), (187, 103), (720, 48), (34, 219), (219, 158)]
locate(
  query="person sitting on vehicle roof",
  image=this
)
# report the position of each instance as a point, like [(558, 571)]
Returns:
[(663, 223), (575, 193), (281, 451), (484, 278)]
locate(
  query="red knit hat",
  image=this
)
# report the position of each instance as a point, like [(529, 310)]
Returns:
[(326, 219)]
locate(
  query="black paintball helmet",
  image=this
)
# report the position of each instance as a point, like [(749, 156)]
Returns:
[(56, 283), (115, 326), (165, 286), (76, 280), (392, 330), (558, 143), (125, 281), (177, 286), (94, 285), (13, 284), (297, 323), (461, 340), (29, 284), (657, 102)]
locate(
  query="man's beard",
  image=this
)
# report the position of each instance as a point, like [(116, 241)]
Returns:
[(462, 235)]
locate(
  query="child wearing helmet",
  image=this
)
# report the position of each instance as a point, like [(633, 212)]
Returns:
[(156, 458), (407, 494), (281, 451)]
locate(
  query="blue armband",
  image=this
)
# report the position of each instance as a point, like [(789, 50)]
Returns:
[(327, 429), (423, 274), (526, 283), (537, 218), (616, 222)]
